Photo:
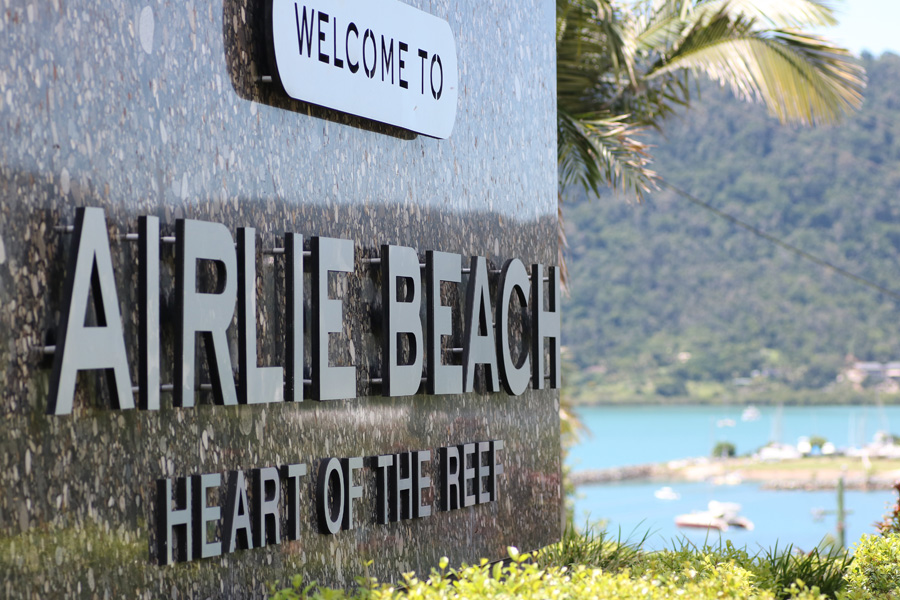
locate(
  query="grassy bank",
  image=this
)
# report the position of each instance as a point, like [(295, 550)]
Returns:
[(817, 472), (812, 464)]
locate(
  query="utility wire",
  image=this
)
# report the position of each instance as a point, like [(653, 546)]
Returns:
[(779, 242)]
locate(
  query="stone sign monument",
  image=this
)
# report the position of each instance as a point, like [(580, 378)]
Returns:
[(278, 291)]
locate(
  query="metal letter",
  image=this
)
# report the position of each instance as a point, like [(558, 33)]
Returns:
[(466, 458), (420, 482), (401, 487), (383, 465), (205, 514), (496, 467), (293, 473), (266, 516), (237, 514), (482, 490), (80, 348), (401, 315), (513, 279), (293, 283), (450, 494), (329, 383), (439, 267), (148, 307), (351, 492), (167, 519), (259, 385), (208, 314), (330, 509), (545, 324), (480, 347)]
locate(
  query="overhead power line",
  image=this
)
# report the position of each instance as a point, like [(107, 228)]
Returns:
[(781, 243)]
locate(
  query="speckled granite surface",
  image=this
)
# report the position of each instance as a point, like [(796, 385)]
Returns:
[(155, 108)]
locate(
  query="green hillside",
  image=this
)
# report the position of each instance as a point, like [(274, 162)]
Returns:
[(670, 302)]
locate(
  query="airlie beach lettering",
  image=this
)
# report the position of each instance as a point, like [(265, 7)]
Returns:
[(486, 340), (378, 59), (265, 508)]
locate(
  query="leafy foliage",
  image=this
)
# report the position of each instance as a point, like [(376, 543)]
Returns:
[(890, 524), (668, 301), (875, 575)]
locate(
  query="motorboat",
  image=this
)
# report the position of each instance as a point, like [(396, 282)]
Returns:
[(718, 515), (701, 520), (666, 493)]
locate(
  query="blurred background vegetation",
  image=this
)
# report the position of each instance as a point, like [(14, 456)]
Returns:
[(671, 303)]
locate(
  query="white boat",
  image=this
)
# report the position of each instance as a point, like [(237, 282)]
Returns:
[(751, 413), (666, 493), (702, 520), (719, 515), (725, 423)]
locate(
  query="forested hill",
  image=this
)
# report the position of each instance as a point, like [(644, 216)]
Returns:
[(670, 301)]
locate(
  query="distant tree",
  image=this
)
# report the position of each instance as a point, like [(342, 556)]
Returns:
[(817, 441), (724, 450), (670, 386)]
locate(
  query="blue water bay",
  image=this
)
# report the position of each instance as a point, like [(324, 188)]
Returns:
[(631, 435), (785, 517)]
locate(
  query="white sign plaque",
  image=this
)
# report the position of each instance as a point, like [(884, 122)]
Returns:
[(378, 59)]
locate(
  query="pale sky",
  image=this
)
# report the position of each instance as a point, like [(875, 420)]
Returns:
[(872, 25)]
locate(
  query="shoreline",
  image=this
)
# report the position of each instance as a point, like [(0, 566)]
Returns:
[(807, 474), (663, 401)]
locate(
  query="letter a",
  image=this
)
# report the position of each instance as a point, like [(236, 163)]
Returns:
[(82, 348)]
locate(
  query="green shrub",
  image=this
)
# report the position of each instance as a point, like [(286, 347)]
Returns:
[(823, 569), (594, 550), (775, 570), (525, 579), (875, 573), (687, 557)]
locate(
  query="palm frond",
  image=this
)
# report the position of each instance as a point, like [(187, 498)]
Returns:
[(777, 14), (589, 53), (657, 32), (800, 77), (562, 245), (602, 151)]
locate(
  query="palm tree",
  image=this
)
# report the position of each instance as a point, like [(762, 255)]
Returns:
[(625, 65)]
